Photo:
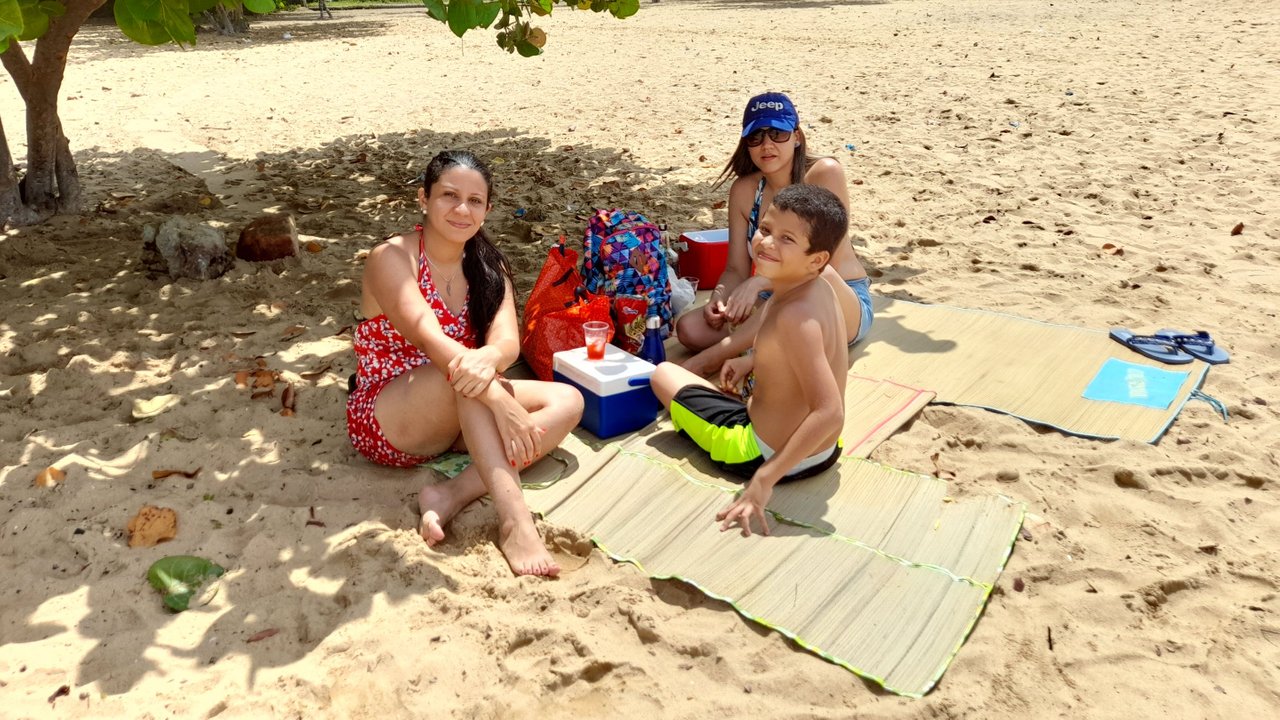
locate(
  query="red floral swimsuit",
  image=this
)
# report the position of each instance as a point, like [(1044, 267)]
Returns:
[(383, 354)]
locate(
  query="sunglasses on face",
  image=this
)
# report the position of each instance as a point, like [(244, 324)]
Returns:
[(756, 138)]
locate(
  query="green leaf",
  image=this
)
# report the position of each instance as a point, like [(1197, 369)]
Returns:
[(36, 15), (622, 9), (198, 6), (11, 22), (436, 9), (527, 49), (155, 22), (462, 15), (540, 7), (261, 7), (178, 577), (488, 12)]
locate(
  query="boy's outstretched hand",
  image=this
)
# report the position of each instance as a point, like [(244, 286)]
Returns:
[(750, 504)]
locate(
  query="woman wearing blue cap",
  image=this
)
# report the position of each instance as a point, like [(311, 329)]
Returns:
[(770, 156)]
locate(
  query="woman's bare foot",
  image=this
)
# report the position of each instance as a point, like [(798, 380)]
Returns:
[(524, 550), (438, 508), (438, 503)]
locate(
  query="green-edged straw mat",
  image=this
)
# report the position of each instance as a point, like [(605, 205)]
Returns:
[(871, 568), (1032, 370)]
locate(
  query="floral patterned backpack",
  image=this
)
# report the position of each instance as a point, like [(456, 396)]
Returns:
[(623, 255)]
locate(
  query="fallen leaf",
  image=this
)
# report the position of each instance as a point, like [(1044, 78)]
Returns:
[(293, 332), (63, 691), (264, 379), (313, 374), (1239, 228), (263, 635), (152, 525), (718, 204), (242, 378), (288, 400), (313, 247), (1019, 585), (342, 330), (162, 474), (1113, 249), (242, 333), (702, 158), (49, 477)]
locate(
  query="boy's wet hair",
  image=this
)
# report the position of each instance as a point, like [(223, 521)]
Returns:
[(820, 209)]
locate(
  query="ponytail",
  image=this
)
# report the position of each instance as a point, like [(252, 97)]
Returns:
[(487, 272)]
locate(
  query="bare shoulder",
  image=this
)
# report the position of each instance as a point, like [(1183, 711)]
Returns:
[(390, 253), (815, 303), (742, 193), (827, 172)]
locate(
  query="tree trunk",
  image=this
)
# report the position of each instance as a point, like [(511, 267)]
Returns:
[(52, 183), (12, 209), (226, 21)]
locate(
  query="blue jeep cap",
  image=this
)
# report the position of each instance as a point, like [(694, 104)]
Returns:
[(769, 110)]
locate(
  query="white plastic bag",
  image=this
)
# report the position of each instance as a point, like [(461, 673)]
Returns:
[(682, 294)]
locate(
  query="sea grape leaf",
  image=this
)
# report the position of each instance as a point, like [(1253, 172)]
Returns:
[(436, 9), (11, 20), (622, 9), (261, 7), (178, 577), (155, 22)]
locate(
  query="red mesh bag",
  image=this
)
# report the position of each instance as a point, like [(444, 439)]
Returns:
[(557, 308)]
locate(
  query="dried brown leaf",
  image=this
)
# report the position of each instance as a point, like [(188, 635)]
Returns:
[(313, 374), (263, 635), (242, 378), (288, 398), (1239, 228), (264, 378), (162, 474), (718, 204), (293, 332), (242, 333), (49, 477), (313, 247)]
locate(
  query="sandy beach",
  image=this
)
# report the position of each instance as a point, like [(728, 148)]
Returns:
[(994, 149)]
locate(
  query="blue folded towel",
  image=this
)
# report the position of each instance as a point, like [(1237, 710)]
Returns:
[(1134, 384)]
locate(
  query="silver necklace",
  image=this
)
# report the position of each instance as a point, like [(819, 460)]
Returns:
[(448, 283)]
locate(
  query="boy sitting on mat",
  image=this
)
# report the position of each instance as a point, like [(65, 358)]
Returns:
[(799, 360)]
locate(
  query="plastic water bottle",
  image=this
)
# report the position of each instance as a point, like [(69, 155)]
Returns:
[(651, 349)]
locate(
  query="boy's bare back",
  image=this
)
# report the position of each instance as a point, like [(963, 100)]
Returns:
[(801, 362)]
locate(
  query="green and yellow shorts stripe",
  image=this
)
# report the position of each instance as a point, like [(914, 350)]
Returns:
[(720, 425)]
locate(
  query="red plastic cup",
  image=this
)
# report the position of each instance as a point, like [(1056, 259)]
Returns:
[(597, 335)]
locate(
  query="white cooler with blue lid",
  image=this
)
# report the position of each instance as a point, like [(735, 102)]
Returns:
[(615, 390)]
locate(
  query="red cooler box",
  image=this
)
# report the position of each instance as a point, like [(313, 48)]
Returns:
[(706, 257)]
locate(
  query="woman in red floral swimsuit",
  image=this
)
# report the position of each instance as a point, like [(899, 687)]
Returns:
[(442, 325)]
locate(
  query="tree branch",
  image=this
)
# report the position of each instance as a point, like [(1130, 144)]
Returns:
[(19, 67)]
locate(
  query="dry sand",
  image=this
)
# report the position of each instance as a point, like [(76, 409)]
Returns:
[(997, 146)]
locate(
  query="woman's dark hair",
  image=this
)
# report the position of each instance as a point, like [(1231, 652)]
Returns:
[(740, 163), (483, 264)]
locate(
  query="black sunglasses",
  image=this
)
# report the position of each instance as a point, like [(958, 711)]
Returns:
[(756, 138)]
